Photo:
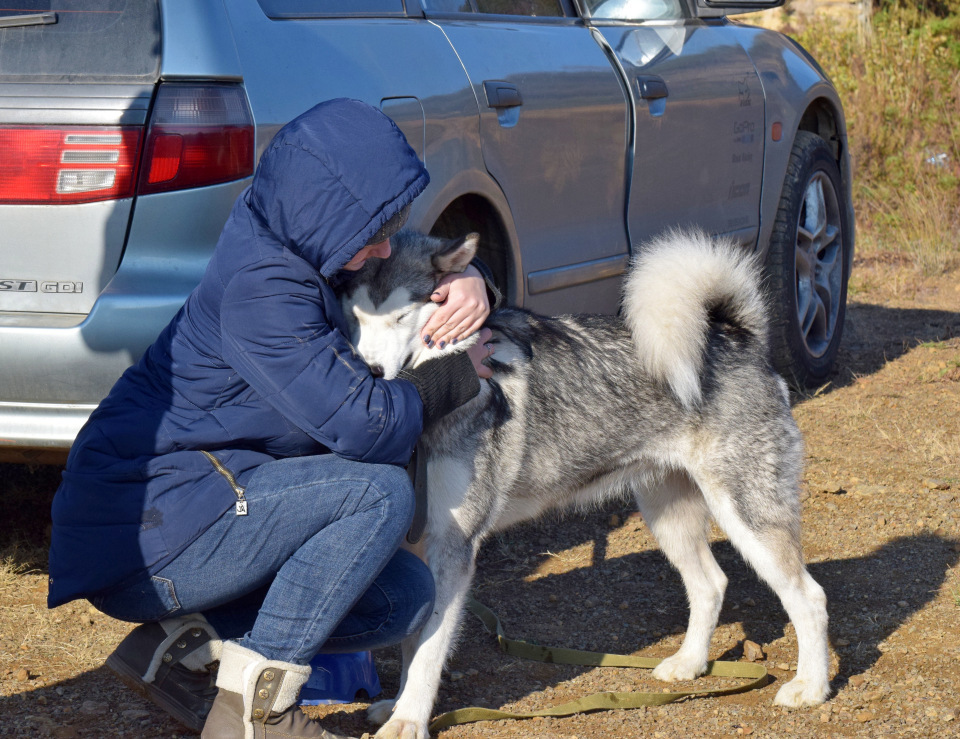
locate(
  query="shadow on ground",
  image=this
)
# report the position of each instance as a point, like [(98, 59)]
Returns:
[(93, 704), (875, 335), (26, 492)]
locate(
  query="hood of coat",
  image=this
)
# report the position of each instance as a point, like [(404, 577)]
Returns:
[(331, 178)]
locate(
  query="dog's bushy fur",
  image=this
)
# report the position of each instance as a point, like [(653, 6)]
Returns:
[(674, 402)]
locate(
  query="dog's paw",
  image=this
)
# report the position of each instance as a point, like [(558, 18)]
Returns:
[(800, 694), (381, 711), (398, 728), (679, 667)]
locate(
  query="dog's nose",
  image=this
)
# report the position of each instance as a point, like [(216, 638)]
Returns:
[(376, 370)]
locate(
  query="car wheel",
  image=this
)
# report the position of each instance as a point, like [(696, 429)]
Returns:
[(808, 264)]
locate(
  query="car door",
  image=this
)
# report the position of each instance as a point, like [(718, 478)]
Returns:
[(698, 118), (553, 123)]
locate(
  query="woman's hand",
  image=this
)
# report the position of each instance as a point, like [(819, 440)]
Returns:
[(463, 308), (480, 351)]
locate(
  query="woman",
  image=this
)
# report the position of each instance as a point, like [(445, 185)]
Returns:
[(245, 479)]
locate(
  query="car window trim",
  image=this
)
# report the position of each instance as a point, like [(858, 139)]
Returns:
[(569, 9), (409, 9), (498, 18)]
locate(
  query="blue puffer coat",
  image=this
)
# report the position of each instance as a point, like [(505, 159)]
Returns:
[(256, 365)]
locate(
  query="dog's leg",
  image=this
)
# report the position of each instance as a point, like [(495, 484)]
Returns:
[(777, 557), (769, 541), (680, 521), (452, 563), (380, 711)]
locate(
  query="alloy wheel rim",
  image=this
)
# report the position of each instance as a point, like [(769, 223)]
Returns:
[(818, 264)]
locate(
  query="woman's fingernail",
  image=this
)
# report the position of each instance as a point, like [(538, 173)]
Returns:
[(430, 344), (455, 341), (426, 339), (443, 344)]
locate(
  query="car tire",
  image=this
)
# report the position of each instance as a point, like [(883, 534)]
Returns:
[(808, 265)]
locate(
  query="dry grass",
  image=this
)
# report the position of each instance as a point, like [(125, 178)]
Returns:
[(11, 570), (901, 90)]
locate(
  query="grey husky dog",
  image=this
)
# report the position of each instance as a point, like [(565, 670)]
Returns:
[(674, 402)]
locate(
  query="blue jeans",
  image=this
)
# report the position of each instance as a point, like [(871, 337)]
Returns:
[(313, 567)]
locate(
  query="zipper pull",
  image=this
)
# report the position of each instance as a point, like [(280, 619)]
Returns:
[(241, 505)]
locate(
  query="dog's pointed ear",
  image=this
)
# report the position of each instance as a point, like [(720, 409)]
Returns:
[(455, 255)]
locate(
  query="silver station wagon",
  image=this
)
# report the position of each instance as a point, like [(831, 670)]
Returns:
[(564, 131)]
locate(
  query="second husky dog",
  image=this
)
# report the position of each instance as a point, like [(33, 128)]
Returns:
[(674, 402)]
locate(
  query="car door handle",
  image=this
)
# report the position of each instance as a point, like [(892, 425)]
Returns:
[(502, 94), (652, 87)]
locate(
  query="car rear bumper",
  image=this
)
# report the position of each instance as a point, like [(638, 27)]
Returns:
[(39, 432)]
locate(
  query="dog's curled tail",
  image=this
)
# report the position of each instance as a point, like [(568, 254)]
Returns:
[(678, 285)]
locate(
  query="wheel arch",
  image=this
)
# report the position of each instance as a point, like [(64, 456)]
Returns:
[(475, 203), (799, 96), (824, 117)]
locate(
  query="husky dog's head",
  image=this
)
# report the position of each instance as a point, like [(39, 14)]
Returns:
[(387, 302)]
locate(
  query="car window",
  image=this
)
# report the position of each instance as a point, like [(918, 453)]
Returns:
[(280, 9), (93, 41), (635, 10), (538, 8)]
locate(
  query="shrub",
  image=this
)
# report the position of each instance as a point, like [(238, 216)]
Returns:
[(900, 87)]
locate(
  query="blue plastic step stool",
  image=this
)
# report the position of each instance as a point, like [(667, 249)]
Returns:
[(336, 678)]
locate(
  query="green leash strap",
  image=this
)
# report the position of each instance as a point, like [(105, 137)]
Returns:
[(757, 674)]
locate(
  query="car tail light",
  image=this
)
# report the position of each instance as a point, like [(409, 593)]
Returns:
[(198, 135), (67, 164)]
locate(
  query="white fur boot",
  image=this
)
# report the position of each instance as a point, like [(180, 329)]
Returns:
[(258, 699)]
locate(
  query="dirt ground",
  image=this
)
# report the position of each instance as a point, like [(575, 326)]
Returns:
[(882, 535)]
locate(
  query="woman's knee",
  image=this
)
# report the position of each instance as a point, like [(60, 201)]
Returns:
[(396, 606), (289, 487), (406, 585), (393, 485)]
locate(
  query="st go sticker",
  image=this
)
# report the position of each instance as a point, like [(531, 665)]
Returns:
[(43, 286)]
